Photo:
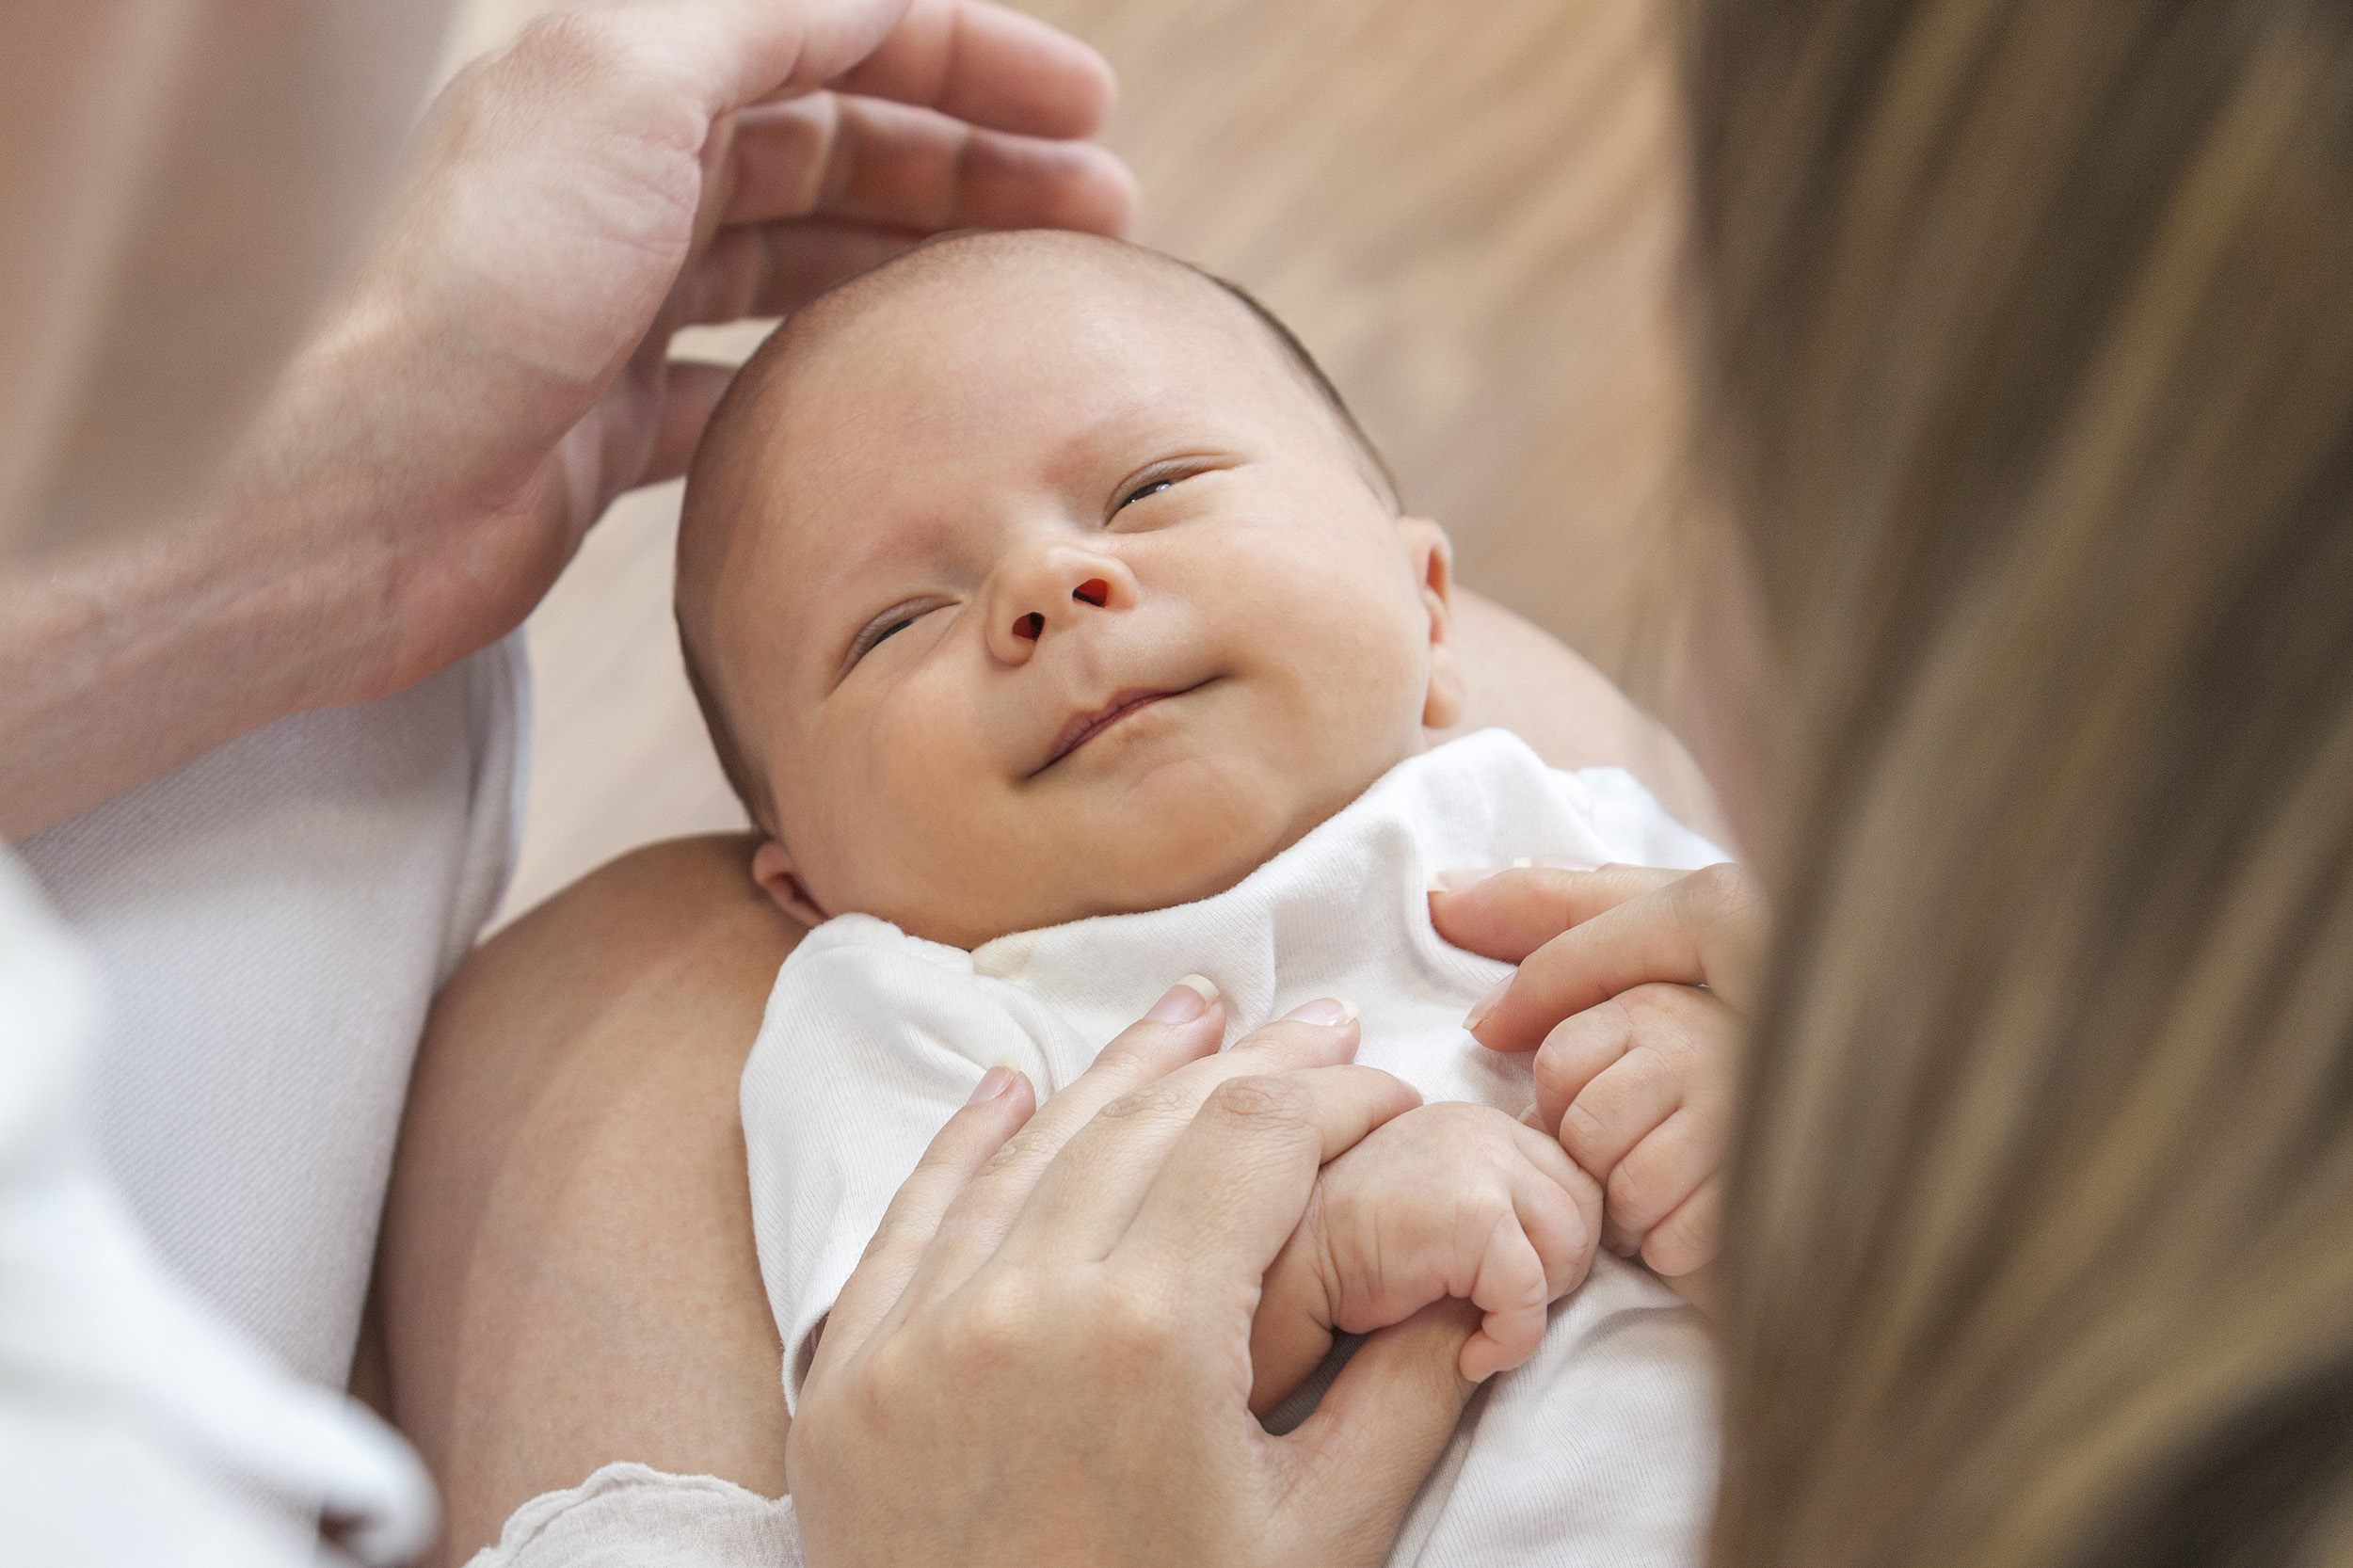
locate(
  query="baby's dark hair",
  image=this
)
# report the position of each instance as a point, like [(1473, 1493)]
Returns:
[(697, 567)]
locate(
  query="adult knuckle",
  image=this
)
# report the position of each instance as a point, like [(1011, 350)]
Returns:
[(575, 46), (995, 1323), (1140, 1104), (1261, 1100), (1721, 894)]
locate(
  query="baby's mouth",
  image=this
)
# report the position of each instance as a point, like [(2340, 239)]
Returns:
[(1084, 728)]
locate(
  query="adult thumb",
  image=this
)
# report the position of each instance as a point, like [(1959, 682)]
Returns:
[(1378, 1432)]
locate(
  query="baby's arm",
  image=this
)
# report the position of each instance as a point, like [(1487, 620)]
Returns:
[(1445, 1200)]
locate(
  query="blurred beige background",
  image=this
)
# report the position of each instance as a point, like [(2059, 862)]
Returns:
[(1467, 214)]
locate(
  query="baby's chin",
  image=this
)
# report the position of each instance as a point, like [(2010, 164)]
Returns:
[(1184, 863), (971, 922)]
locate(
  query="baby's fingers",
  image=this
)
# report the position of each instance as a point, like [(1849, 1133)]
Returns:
[(1538, 1252), (1685, 1242), (1512, 1290)]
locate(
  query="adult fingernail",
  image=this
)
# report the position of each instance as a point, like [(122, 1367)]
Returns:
[(993, 1082), (1461, 877), (1324, 1010), (1553, 863), (1186, 1000), (1486, 1005)]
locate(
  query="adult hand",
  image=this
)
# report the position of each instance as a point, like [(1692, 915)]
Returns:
[(620, 172), (1633, 989), (497, 372), (1045, 1356)]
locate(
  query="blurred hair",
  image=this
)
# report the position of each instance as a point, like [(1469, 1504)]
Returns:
[(698, 558), (2029, 345)]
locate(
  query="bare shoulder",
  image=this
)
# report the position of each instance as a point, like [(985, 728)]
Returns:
[(568, 1276)]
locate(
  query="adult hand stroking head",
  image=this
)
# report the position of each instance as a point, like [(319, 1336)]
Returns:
[(497, 372)]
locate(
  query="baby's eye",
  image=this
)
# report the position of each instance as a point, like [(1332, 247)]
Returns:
[(1154, 487), (882, 630)]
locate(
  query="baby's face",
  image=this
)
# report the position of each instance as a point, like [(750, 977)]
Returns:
[(1058, 593)]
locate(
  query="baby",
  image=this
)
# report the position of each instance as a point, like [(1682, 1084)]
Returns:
[(1060, 630)]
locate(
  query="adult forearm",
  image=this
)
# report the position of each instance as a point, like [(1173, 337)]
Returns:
[(125, 662)]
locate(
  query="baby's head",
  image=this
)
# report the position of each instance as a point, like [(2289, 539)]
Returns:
[(1034, 576)]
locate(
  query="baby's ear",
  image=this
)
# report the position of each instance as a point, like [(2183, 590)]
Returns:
[(1432, 557), (772, 867)]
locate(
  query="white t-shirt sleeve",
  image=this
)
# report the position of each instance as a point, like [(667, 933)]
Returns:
[(872, 1040)]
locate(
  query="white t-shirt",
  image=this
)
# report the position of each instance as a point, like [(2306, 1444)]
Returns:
[(270, 924), (1598, 1450), (134, 1426)]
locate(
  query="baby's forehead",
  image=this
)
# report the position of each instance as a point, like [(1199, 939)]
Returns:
[(840, 375)]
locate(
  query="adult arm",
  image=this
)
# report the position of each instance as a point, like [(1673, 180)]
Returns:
[(497, 372)]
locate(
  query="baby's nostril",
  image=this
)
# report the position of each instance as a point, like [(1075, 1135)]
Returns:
[(1030, 627), (1093, 591)]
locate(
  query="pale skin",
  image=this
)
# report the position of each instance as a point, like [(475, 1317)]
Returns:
[(568, 1265), (1040, 584), (180, 593), (1042, 587), (569, 203)]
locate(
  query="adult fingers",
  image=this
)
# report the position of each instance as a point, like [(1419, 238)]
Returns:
[(1185, 1024), (690, 392), (1173, 1063), (1003, 1102), (1357, 1462), (1085, 1203), (1509, 914), (1219, 1204), (971, 59), (991, 65), (771, 269), (867, 160), (1705, 928)]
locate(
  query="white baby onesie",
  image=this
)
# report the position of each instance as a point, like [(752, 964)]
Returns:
[(1600, 1449)]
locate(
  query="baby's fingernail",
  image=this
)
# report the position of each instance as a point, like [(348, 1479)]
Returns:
[(1486, 1005), (1456, 880), (1326, 1011), (1553, 863), (1186, 1000), (993, 1082)]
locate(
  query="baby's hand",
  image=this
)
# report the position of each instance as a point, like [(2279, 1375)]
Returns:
[(1633, 989), (1447, 1200), (1640, 1090)]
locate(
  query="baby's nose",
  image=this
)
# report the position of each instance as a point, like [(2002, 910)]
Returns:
[(1094, 591), (1049, 589)]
